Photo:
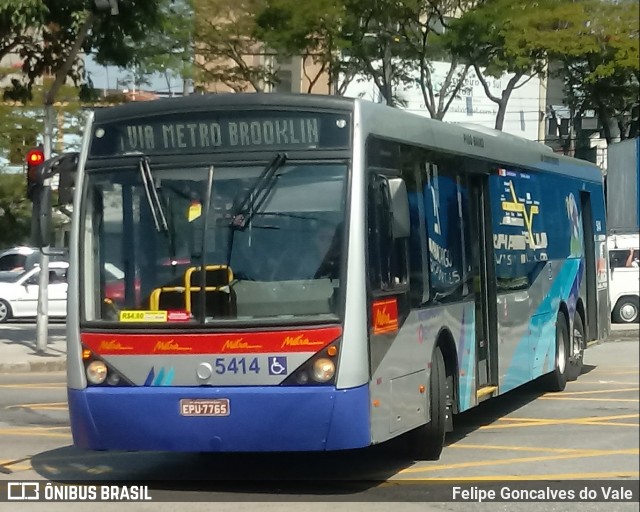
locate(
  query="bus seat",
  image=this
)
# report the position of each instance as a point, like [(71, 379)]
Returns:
[(220, 299)]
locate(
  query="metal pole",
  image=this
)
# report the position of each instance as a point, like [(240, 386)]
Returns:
[(42, 318)]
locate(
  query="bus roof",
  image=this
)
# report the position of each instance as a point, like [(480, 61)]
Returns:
[(204, 102), (382, 120), (472, 140)]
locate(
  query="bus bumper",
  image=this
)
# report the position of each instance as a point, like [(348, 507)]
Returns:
[(261, 419)]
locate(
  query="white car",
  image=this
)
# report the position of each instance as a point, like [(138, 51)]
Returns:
[(19, 292), (624, 277)]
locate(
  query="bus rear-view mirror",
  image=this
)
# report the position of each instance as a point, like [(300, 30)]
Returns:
[(399, 203)]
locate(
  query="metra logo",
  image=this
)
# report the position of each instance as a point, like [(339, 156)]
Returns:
[(113, 345), (170, 346), (238, 344), (299, 341), (385, 316)]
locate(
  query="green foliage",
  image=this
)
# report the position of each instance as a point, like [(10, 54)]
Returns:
[(315, 32), (15, 210), (44, 33), (385, 41), (227, 47), (168, 48), (603, 72)]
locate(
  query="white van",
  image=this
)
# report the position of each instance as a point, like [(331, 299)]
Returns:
[(624, 277)]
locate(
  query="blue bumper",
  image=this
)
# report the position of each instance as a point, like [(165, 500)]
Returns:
[(261, 419)]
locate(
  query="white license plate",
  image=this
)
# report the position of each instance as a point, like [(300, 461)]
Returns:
[(204, 407)]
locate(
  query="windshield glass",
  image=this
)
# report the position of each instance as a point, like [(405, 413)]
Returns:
[(9, 276), (270, 242)]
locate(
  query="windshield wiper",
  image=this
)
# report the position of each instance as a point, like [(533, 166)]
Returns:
[(255, 197), (159, 218)]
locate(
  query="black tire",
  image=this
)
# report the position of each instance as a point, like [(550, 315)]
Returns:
[(626, 311), (428, 440), (557, 379), (5, 311), (578, 341)]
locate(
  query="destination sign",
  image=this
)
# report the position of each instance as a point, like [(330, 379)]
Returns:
[(195, 133)]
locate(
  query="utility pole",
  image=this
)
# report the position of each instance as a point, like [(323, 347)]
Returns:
[(42, 319)]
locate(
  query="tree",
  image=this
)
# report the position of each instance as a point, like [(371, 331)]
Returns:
[(389, 42), (423, 24), (227, 49), (490, 39), (314, 32), (17, 19), (48, 35), (15, 210), (167, 50), (599, 63)]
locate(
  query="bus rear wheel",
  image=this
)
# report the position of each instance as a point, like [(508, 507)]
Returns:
[(577, 352), (428, 440), (557, 379)]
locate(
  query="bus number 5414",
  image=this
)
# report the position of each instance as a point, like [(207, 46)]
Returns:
[(240, 365)]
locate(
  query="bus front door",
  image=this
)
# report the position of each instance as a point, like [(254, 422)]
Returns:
[(483, 272)]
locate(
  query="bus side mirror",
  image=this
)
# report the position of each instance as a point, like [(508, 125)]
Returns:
[(399, 203)]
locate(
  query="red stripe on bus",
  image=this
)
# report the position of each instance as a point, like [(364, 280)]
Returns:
[(307, 340)]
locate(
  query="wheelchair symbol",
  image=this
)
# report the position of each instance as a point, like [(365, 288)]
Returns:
[(277, 365)]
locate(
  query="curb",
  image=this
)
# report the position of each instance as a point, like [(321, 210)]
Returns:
[(33, 366)]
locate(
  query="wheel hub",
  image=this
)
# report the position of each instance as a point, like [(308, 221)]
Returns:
[(628, 312)]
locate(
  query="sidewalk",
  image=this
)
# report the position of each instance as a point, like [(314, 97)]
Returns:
[(18, 355)]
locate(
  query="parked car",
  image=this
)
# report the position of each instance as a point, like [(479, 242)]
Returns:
[(624, 277), (19, 292), (19, 259)]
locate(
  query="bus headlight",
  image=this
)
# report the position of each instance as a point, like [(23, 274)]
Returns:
[(96, 372), (323, 369), (319, 370)]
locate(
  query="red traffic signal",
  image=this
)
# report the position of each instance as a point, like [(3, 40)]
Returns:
[(35, 157)]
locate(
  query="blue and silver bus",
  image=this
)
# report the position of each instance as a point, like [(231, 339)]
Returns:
[(263, 272)]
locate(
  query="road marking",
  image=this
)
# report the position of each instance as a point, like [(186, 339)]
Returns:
[(607, 382), (588, 418), (539, 422), (618, 390), (500, 478), (589, 399), (522, 460), (623, 372), (519, 448), (46, 406), (32, 431), (36, 385)]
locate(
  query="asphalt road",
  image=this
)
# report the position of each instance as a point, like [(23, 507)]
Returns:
[(587, 433)]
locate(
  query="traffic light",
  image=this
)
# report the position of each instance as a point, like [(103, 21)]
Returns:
[(35, 158)]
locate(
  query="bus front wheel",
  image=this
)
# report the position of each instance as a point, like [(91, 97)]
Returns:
[(557, 379), (428, 440)]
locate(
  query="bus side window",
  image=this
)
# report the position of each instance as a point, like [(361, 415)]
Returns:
[(387, 256)]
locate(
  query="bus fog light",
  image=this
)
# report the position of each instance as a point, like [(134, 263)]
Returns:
[(96, 372), (113, 379), (323, 370), (302, 378)]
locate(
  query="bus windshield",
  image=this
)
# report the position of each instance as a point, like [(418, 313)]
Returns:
[(269, 238)]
